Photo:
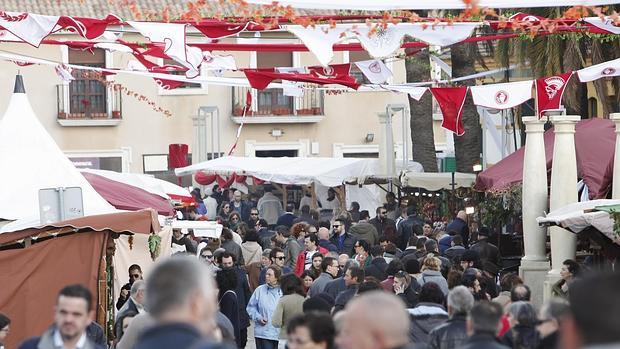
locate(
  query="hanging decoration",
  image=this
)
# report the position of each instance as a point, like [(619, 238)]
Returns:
[(502, 96), (375, 71), (549, 91), (333, 74), (451, 101), (602, 70)]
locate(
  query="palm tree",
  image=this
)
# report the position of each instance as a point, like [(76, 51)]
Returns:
[(422, 137), (467, 147)]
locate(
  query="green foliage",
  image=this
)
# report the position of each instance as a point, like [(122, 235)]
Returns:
[(616, 217), (154, 245), (497, 209)]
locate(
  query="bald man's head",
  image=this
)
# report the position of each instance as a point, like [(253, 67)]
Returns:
[(323, 233), (374, 320), (462, 215)]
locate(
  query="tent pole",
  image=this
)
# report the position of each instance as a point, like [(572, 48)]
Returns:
[(315, 202)]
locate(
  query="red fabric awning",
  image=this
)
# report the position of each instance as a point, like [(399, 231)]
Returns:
[(595, 141), (127, 197)]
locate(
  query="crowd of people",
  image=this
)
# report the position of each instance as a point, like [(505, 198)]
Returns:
[(299, 281)]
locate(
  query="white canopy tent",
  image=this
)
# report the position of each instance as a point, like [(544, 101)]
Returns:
[(31, 161), (329, 172), (582, 215), (437, 181)]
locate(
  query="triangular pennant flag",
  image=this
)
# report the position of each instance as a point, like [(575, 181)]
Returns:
[(415, 92), (549, 92), (375, 71), (451, 101), (502, 96), (603, 70)]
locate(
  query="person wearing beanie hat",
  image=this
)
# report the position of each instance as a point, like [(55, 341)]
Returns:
[(412, 267)]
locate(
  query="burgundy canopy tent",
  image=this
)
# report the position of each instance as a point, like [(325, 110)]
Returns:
[(595, 141), (127, 197)]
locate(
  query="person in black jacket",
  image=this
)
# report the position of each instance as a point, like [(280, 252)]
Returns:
[(227, 299), (484, 322), (453, 333), (378, 265), (243, 296), (408, 227), (404, 288), (523, 320)]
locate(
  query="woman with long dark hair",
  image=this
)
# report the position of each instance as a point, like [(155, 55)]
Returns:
[(291, 304)]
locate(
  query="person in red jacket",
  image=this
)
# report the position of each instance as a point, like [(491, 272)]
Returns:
[(304, 259)]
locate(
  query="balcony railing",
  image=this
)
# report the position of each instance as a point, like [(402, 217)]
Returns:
[(271, 105), (88, 102)]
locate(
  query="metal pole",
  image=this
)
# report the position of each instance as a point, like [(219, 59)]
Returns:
[(61, 203)]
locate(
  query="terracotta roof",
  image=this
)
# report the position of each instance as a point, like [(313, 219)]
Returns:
[(101, 8)]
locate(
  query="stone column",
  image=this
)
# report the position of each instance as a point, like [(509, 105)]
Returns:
[(386, 145), (199, 142), (615, 194), (534, 264), (563, 192)]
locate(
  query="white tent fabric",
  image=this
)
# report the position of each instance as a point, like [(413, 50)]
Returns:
[(329, 172), (376, 5), (573, 217), (148, 183), (437, 181), (31, 160)]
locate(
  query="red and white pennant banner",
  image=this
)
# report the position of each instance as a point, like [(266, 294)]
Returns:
[(549, 92), (502, 96), (451, 101)]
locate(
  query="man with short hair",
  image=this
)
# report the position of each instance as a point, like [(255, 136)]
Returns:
[(182, 298), (456, 250), (292, 248), (383, 224), (453, 333), (227, 260), (134, 305), (73, 314), (374, 320), (363, 230), (378, 265), (341, 239), (460, 226), (304, 259), (277, 257), (269, 206), (482, 325), (334, 287), (253, 218), (135, 273), (470, 259), (353, 277), (594, 320), (329, 268), (323, 235), (241, 206), (287, 217), (412, 225), (264, 234)]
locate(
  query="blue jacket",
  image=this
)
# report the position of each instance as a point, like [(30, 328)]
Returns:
[(262, 305)]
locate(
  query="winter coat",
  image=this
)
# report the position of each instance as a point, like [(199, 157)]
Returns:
[(328, 245), (348, 244), (270, 208), (262, 305), (229, 306), (243, 296), (344, 297), (365, 231), (521, 337), (252, 252), (460, 227), (319, 284), (450, 335), (377, 269), (410, 226), (424, 318), (454, 253), (436, 277), (300, 264), (288, 306), (334, 287), (411, 295), (172, 335), (483, 341), (487, 252), (46, 341), (292, 249)]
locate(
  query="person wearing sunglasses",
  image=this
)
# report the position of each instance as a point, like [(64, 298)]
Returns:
[(206, 255), (277, 259), (135, 273)]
